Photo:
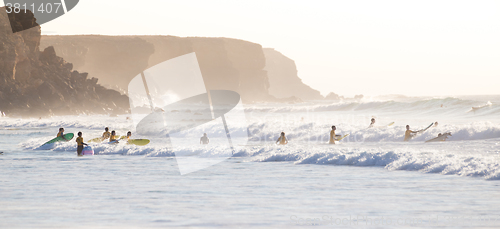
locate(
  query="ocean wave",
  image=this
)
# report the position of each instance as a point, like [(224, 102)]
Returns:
[(408, 159)]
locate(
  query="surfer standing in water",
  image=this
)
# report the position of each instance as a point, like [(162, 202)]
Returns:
[(204, 140), (129, 134), (112, 138), (408, 133), (79, 141), (332, 135), (372, 123), (106, 134), (61, 134), (282, 139)]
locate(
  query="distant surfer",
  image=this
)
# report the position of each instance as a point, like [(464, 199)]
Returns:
[(204, 140), (372, 123), (61, 134), (129, 134), (408, 133), (79, 141), (436, 124), (282, 139), (112, 137), (332, 135), (106, 134)]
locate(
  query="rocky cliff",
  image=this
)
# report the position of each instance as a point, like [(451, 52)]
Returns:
[(283, 79), (34, 83), (113, 60), (225, 63)]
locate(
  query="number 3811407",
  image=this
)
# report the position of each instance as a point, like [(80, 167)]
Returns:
[(42, 8)]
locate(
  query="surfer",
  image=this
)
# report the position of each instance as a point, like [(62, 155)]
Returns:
[(332, 135), (372, 123), (129, 134), (79, 141), (106, 134), (112, 137), (61, 134), (408, 133), (440, 137), (436, 124), (444, 136), (282, 139), (204, 140)]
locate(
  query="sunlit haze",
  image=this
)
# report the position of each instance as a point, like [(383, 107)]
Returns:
[(347, 47)]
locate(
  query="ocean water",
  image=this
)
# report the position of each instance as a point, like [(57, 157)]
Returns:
[(371, 179)]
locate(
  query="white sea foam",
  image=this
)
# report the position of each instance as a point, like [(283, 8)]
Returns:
[(472, 150)]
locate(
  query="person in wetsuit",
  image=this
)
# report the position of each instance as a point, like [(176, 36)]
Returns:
[(332, 135), (80, 144), (282, 139), (61, 134), (204, 140), (106, 134), (408, 133)]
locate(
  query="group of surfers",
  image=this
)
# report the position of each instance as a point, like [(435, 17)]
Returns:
[(106, 135), (282, 140)]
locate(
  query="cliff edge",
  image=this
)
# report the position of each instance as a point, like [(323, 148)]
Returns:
[(283, 78), (34, 83)]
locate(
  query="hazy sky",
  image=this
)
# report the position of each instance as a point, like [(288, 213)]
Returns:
[(349, 47)]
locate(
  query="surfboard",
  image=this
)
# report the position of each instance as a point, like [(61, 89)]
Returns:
[(88, 151), (97, 140), (113, 142), (59, 139), (342, 137), (138, 142), (440, 138), (422, 130), (388, 125)]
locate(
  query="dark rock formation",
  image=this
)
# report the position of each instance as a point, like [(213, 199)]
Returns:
[(34, 83), (113, 60), (283, 79)]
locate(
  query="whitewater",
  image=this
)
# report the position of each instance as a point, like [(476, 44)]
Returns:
[(371, 174)]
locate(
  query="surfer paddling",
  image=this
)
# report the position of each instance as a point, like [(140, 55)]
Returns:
[(282, 139), (440, 137), (80, 143)]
